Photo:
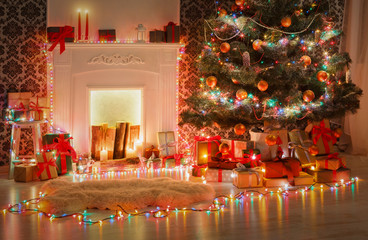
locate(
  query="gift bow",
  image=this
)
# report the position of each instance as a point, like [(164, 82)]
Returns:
[(200, 138), (166, 146), (241, 168), (35, 107), (252, 157), (325, 133), (148, 161), (46, 164), (20, 107), (197, 169), (177, 158), (61, 39)]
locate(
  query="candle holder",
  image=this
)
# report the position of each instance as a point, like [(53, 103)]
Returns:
[(141, 33)]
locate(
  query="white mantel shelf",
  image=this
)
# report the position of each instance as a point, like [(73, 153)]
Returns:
[(151, 67)]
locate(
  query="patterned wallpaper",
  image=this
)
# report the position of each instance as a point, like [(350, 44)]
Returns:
[(192, 14), (22, 66)]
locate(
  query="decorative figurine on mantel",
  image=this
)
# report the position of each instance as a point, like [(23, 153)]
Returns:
[(141, 33)]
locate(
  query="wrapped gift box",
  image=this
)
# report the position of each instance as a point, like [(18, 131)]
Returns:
[(53, 33), (330, 162), (107, 35), (221, 163), (171, 162), (251, 177), (152, 150), (64, 151), (323, 137), (219, 175), (270, 152), (237, 147), (282, 168), (167, 143), (157, 36), (283, 135), (38, 107), (300, 143), (327, 176), (205, 150), (172, 33), (25, 172), (302, 180), (199, 170), (20, 115), (18, 99), (154, 163), (47, 168)]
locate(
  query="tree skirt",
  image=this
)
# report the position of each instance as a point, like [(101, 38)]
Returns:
[(64, 196)]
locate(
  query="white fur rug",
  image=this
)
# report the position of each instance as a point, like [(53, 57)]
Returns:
[(64, 196)]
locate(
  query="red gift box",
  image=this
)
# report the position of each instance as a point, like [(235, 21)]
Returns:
[(107, 35), (278, 168)]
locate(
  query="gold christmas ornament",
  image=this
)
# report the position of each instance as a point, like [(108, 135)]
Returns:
[(239, 129), (262, 85), (308, 95), (225, 47), (271, 140), (239, 2), (211, 81), (241, 94), (313, 150), (224, 148), (257, 44), (322, 76), (222, 13), (286, 22), (306, 60), (337, 133)]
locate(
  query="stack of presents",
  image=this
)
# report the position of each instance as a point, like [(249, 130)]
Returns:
[(22, 106), (275, 158), (56, 158)]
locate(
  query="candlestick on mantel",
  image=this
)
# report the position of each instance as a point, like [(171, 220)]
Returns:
[(86, 38), (79, 25), (103, 155)]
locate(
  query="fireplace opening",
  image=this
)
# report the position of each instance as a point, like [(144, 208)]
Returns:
[(116, 122)]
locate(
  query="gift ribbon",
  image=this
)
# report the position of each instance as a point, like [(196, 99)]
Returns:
[(303, 146), (197, 169), (334, 156), (35, 107), (232, 153), (21, 108), (46, 164), (107, 36), (61, 39), (63, 148), (279, 149), (325, 133), (219, 175), (172, 25), (209, 140), (286, 168), (167, 145), (177, 158), (253, 158), (241, 168)]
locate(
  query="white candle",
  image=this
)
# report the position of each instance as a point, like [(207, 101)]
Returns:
[(103, 155), (138, 146)]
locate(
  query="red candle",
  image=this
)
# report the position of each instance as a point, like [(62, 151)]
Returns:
[(86, 25), (79, 26)]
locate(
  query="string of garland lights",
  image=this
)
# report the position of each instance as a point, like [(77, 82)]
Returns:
[(218, 204)]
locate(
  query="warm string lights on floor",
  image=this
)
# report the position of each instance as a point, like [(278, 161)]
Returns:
[(219, 203)]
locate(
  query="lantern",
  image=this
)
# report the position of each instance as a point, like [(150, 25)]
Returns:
[(141, 32)]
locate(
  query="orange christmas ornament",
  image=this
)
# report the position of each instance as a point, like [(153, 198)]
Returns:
[(262, 85), (337, 132), (235, 81), (234, 7), (286, 22), (239, 129), (241, 94), (308, 95), (224, 148), (225, 47), (313, 150), (257, 44), (306, 60), (239, 2), (322, 76), (222, 13), (211, 81), (271, 140)]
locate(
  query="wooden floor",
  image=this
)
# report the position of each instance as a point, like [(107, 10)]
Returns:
[(326, 214)]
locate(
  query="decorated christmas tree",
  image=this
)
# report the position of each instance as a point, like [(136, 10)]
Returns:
[(271, 60)]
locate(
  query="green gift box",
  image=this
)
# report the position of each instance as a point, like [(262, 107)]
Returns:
[(64, 152)]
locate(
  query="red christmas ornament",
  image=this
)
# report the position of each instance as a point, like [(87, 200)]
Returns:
[(241, 94), (239, 129), (271, 140), (306, 60), (313, 150), (211, 81), (322, 76), (262, 85), (239, 2), (225, 47), (224, 148), (222, 13), (257, 44), (235, 81), (286, 22), (308, 95)]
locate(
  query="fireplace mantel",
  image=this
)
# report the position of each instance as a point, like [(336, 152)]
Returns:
[(151, 67)]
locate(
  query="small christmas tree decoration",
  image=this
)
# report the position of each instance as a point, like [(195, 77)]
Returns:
[(246, 59), (337, 133), (224, 148), (262, 85), (306, 60), (322, 76), (235, 81), (313, 150), (286, 22), (271, 140), (241, 94), (308, 95), (239, 129), (211, 81), (239, 2), (257, 44), (225, 47), (222, 13)]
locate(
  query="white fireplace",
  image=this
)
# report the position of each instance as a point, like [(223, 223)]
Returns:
[(84, 71)]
